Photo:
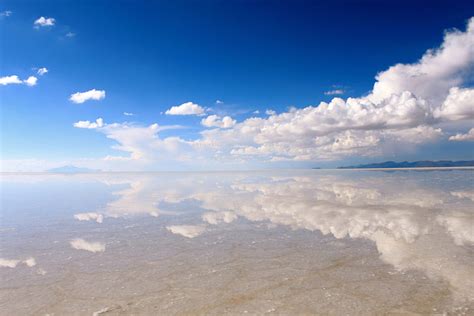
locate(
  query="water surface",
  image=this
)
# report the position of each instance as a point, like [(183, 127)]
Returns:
[(282, 242)]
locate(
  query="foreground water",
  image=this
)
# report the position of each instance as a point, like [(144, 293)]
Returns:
[(286, 242)]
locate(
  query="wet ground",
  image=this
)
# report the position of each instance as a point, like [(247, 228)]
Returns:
[(271, 242)]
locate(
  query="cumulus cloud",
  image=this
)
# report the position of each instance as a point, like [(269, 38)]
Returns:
[(469, 136), (188, 231), (42, 22), (90, 125), (459, 105), (14, 79), (407, 106), (435, 73), (188, 108), (31, 81), (10, 80), (217, 121), (42, 71), (81, 244), (81, 97)]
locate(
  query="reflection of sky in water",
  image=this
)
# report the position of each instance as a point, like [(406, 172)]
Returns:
[(417, 221)]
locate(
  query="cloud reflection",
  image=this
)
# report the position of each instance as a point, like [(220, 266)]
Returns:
[(81, 244)]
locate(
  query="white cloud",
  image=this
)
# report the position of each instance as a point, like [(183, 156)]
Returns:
[(6, 13), (81, 97), (70, 34), (216, 121), (469, 136), (219, 102), (31, 81), (42, 71), (459, 105), (407, 107), (334, 92), (42, 22), (270, 112), (188, 231), (10, 80), (81, 244), (128, 114), (14, 79), (188, 108), (90, 216), (90, 125), (435, 73)]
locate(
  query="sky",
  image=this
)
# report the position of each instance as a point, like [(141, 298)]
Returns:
[(232, 85)]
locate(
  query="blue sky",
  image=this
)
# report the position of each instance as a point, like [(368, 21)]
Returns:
[(148, 56)]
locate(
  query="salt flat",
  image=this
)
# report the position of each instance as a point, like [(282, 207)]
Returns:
[(277, 242)]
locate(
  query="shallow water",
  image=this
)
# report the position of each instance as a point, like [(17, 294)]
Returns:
[(282, 242)]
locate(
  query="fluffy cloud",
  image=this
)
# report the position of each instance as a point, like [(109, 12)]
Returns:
[(469, 136), (407, 106), (217, 121), (188, 108), (81, 244), (14, 79), (31, 81), (10, 80), (90, 125), (459, 105), (42, 71), (435, 73), (42, 22), (81, 97)]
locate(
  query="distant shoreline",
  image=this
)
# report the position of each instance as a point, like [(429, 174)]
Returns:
[(231, 171)]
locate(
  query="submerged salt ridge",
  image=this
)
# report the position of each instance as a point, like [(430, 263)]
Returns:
[(417, 223)]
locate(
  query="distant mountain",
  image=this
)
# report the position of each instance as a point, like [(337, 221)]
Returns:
[(414, 164), (71, 169)]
